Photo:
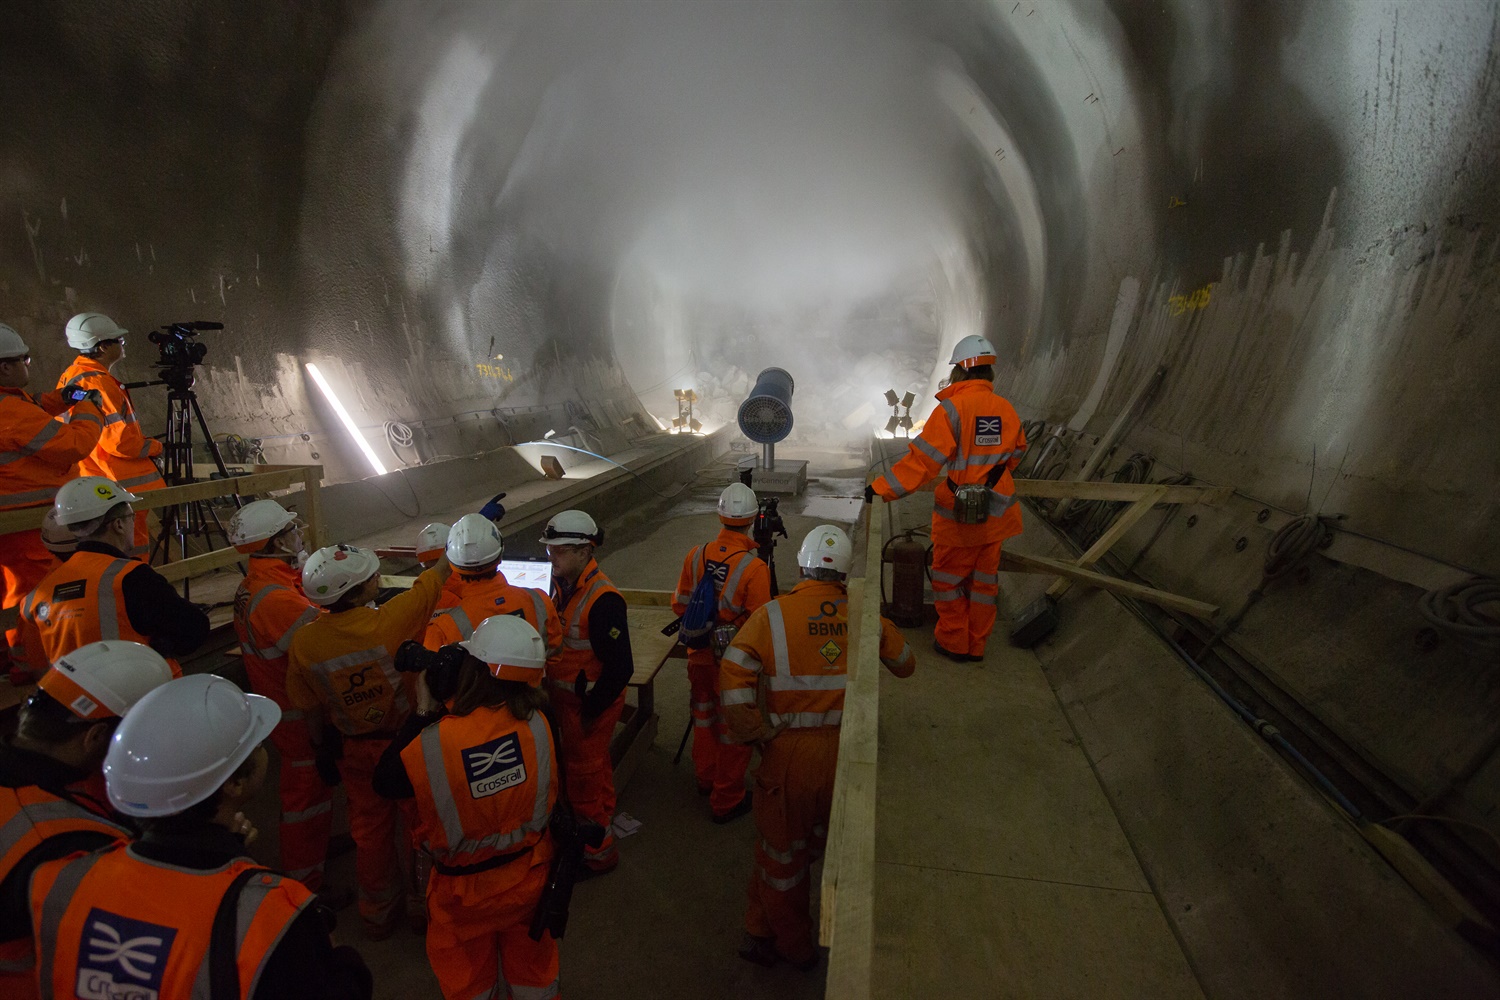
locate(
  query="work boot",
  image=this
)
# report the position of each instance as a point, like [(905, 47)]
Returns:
[(590, 870), (739, 809), (705, 790), (807, 964), (379, 932), (760, 950), (937, 647), (335, 899)]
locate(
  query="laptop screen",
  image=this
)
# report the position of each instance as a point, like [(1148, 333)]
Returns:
[(533, 573)]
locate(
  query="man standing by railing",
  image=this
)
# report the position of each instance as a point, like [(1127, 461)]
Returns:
[(794, 650)]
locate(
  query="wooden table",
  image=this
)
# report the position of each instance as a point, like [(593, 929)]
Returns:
[(651, 650)]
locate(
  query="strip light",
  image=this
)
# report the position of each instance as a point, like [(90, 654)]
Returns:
[(338, 408)]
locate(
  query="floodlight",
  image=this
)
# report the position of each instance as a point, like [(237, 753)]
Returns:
[(348, 421), (890, 397), (892, 424), (906, 400)]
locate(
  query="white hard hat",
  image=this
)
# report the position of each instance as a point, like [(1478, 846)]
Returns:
[(86, 330), (11, 344), (737, 505), (511, 647), (333, 571), (56, 539), (430, 542), (181, 742), (572, 527), (972, 351), (826, 547), (256, 522), (475, 542), (104, 679), (88, 498)]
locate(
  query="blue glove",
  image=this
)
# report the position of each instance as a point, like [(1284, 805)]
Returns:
[(494, 510)]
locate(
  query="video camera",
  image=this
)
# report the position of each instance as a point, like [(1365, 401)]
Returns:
[(176, 344), (442, 666)]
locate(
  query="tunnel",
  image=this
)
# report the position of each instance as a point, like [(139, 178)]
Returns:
[(459, 247)]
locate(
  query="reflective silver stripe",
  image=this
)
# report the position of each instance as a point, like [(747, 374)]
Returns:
[(151, 477), (534, 992), (737, 696), (285, 642), (253, 896), (955, 423), (574, 639), (938, 576), (30, 497), (930, 450), (278, 648), (82, 418), (437, 786), (808, 682), (786, 859), (47, 433), (109, 619), (808, 720), (897, 489), (306, 814), (999, 503), (977, 598), (28, 817), (942, 511), (115, 418), (946, 595), (900, 658), (742, 657), (540, 607), (54, 908), (726, 597), (18, 966), (783, 884), (780, 660), (703, 723), (991, 578), (376, 655), (698, 706), (460, 619)]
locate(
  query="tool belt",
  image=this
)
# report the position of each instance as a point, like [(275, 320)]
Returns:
[(489, 864), (971, 501)]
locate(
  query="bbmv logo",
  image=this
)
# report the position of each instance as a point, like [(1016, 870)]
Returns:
[(121, 958), (494, 766), (987, 432)]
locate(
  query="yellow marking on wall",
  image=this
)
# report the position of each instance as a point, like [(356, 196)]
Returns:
[(495, 371), (1179, 304)]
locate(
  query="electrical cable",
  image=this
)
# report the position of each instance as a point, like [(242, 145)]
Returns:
[(1455, 610)]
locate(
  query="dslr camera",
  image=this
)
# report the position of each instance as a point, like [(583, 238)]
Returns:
[(442, 666)]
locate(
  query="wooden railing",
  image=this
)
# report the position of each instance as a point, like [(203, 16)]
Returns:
[(271, 478)]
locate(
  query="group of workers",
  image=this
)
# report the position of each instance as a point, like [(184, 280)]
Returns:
[(123, 869)]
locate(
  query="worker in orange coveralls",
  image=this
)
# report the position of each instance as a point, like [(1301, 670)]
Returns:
[(478, 589), (794, 652), (972, 441), (744, 582)]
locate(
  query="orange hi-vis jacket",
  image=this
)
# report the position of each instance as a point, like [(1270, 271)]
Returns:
[(744, 578), (972, 433), (269, 608), (123, 453), (485, 786), (461, 609), (79, 602), (344, 663), (796, 647), (28, 817), (577, 652), (117, 924), (38, 450)]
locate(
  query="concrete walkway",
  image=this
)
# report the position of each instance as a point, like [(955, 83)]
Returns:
[(1000, 868)]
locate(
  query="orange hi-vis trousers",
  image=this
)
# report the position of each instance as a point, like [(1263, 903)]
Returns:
[(373, 825), (793, 797), (589, 772), (306, 806), (717, 763), (966, 589), (477, 937)]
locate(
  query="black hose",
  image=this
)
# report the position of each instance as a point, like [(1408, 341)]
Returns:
[(1455, 610)]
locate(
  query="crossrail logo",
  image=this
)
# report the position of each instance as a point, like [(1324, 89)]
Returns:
[(121, 958), (494, 766), (720, 571), (987, 432)]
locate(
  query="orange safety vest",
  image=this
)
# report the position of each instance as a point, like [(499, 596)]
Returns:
[(485, 787), (797, 648), (123, 453), (577, 653), (116, 924), (28, 817), (79, 602), (744, 578), (269, 608), (37, 451), (462, 609), (971, 434), (344, 662)]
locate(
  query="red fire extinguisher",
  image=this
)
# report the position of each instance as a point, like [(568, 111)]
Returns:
[(908, 558)]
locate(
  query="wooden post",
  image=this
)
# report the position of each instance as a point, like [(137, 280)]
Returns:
[(1123, 523), (312, 513), (1115, 430)]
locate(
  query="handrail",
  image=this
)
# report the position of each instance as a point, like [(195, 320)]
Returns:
[(847, 924)]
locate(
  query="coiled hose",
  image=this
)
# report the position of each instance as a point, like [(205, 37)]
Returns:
[(1454, 610), (1289, 548), (1091, 518)]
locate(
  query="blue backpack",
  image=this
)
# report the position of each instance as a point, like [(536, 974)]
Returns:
[(702, 612)]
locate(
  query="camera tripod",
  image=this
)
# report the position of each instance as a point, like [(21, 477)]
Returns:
[(194, 518)]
